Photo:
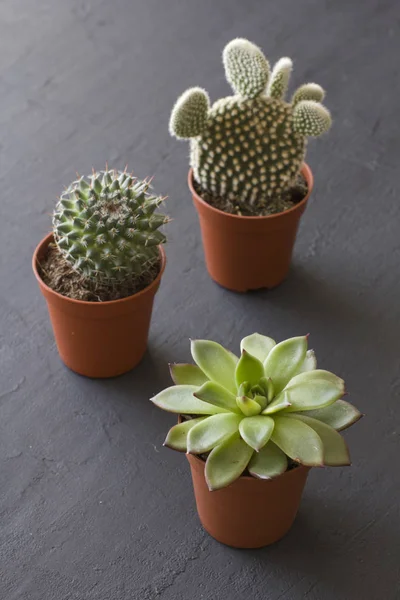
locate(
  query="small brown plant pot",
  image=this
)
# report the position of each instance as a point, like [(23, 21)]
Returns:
[(99, 339), (248, 253), (249, 513)]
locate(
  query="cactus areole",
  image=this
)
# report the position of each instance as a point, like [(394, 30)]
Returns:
[(107, 228), (251, 414), (249, 147)]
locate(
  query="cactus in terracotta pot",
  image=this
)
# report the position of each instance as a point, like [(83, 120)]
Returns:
[(255, 412), (106, 226), (251, 145), (100, 269)]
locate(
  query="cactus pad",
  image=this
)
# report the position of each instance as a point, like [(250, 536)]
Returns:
[(249, 147)]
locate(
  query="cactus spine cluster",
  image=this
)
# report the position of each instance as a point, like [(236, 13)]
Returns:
[(249, 146), (106, 226)]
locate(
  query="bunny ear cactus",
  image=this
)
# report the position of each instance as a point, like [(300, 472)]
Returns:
[(249, 146), (255, 411), (106, 226)]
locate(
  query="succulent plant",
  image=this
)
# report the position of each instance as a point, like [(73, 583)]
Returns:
[(106, 226), (255, 411), (250, 145)]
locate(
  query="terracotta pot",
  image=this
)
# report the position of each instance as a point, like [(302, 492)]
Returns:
[(249, 513), (99, 339), (248, 253)]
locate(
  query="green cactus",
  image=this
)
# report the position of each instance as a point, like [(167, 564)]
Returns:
[(255, 411), (106, 226), (249, 146)]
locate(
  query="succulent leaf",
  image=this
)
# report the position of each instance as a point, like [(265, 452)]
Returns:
[(256, 389), (248, 406), (284, 360), (246, 68), (317, 374), (309, 363), (215, 394), (298, 441), (282, 401), (256, 431), (177, 435), (311, 118), (270, 389), (261, 400), (257, 345), (308, 91), (249, 369), (339, 415), (189, 115), (269, 462), (183, 374), (335, 449), (180, 399), (227, 462), (267, 386), (313, 389), (218, 364), (245, 389), (279, 80), (211, 432)]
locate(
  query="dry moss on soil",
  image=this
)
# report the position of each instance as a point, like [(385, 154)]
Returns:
[(58, 274), (263, 206)]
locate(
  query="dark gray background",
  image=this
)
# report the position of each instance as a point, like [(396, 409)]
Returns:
[(92, 506)]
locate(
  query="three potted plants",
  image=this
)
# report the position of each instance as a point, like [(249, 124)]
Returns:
[(99, 271), (252, 428), (248, 178)]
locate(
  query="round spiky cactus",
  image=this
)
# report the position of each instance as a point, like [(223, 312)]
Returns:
[(106, 226), (249, 146)]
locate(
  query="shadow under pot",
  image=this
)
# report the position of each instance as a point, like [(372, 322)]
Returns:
[(99, 339), (248, 253), (250, 512)]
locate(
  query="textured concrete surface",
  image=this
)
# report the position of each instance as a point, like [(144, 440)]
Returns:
[(92, 506)]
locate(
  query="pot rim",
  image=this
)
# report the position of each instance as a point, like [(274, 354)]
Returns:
[(200, 461), (305, 170), (46, 241)]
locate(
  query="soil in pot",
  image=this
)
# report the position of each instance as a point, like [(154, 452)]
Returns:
[(58, 274), (263, 206)]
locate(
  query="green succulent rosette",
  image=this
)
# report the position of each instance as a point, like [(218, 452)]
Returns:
[(256, 411)]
